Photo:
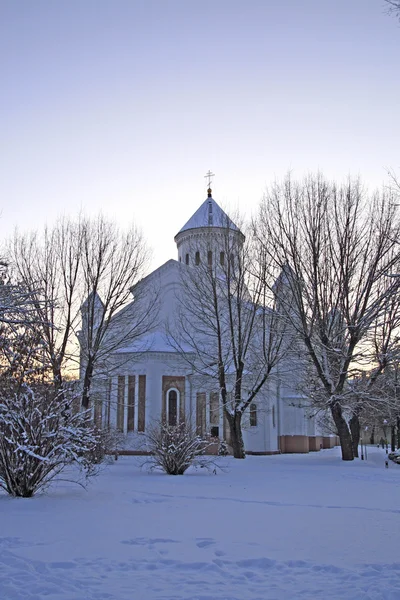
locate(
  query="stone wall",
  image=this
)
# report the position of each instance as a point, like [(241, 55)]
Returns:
[(294, 444), (315, 443)]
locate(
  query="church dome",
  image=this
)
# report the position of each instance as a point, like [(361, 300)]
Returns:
[(206, 227), (210, 214)]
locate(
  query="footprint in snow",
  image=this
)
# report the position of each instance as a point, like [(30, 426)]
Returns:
[(204, 542), (148, 541), (63, 565)]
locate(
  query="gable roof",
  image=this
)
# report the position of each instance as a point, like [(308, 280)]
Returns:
[(163, 271), (210, 214)]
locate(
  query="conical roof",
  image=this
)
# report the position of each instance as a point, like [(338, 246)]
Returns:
[(93, 299), (210, 214)]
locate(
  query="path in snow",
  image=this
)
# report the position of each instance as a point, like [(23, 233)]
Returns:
[(270, 528)]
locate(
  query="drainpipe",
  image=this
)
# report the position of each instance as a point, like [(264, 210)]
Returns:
[(266, 402), (278, 413), (189, 378)]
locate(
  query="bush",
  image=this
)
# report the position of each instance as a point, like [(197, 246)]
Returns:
[(39, 437), (175, 448), (108, 443), (223, 448)]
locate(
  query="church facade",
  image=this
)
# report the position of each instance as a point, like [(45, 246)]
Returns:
[(152, 379)]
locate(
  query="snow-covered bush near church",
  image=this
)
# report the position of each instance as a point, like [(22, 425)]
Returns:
[(109, 442), (40, 435), (174, 448), (223, 448)]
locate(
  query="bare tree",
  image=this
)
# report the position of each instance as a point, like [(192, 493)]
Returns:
[(369, 393), (394, 183), (226, 326), (383, 412), (49, 266), (112, 264), (338, 246), (393, 7), (80, 275), (20, 339)]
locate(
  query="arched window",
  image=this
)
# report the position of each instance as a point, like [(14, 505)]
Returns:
[(187, 259), (253, 415), (222, 258), (209, 258), (197, 258), (172, 407)]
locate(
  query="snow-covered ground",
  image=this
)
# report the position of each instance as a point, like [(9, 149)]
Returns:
[(279, 527)]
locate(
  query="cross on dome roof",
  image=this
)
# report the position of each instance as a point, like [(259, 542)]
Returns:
[(209, 175)]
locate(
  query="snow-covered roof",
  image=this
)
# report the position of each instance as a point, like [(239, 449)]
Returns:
[(155, 341), (209, 215)]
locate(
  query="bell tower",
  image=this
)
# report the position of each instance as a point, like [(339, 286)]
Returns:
[(204, 237)]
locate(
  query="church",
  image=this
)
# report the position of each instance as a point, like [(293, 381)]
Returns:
[(152, 379)]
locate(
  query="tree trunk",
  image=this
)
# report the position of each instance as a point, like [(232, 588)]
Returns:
[(398, 431), (343, 432), (57, 379), (59, 389), (235, 425), (372, 438), (354, 424), (393, 438), (86, 386)]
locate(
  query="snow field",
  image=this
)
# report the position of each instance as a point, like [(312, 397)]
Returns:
[(267, 528)]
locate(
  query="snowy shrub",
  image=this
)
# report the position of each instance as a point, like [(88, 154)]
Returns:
[(223, 448), (108, 443), (175, 448), (39, 437)]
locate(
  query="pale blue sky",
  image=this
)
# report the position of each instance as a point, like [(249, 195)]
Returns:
[(123, 105)]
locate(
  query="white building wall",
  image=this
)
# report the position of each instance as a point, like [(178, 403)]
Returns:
[(288, 419), (293, 417), (263, 437), (154, 366)]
